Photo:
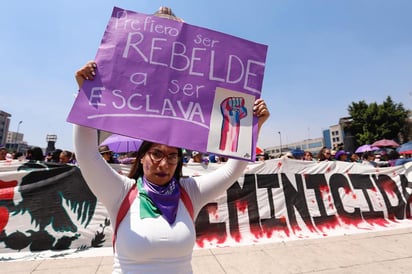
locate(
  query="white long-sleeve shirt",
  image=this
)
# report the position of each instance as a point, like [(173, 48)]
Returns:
[(149, 245)]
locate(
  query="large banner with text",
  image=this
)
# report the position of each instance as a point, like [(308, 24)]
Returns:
[(180, 79), (49, 209)]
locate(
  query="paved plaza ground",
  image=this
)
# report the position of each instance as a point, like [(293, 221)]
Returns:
[(373, 252)]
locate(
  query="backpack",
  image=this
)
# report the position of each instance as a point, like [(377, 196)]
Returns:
[(132, 194)]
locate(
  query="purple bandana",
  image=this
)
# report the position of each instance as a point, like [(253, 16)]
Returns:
[(165, 198)]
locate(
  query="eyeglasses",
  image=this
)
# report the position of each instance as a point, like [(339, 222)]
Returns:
[(157, 156)]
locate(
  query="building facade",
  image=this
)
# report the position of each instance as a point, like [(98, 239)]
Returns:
[(336, 136), (15, 142), (312, 145), (4, 126), (332, 138)]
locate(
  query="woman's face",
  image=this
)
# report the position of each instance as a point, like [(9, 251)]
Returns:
[(308, 156), (107, 155), (371, 157), (326, 153), (3, 154), (343, 157), (159, 163)]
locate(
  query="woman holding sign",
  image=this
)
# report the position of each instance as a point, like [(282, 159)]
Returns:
[(154, 208)]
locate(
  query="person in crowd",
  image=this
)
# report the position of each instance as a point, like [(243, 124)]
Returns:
[(9, 156), (341, 155), (127, 159), (381, 159), (48, 157), (324, 155), (308, 156), (222, 159), (29, 154), (403, 159), (378, 161), (393, 155), (368, 158), (298, 154), (337, 147), (35, 154), (55, 158), (262, 157), (3, 153), (36, 159), (213, 158), (73, 160), (158, 234), (185, 156), (197, 157), (384, 154), (288, 155), (66, 157), (107, 154), (354, 158), (18, 156)]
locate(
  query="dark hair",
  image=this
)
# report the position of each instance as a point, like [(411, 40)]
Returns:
[(393, 155), (56, 155), (321, 155), (18, 154), (307, 152), (37, 154), (367, 154), (137, 169), (68, 154)]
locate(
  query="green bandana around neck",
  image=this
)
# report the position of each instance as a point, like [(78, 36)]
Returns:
[(147, 208)]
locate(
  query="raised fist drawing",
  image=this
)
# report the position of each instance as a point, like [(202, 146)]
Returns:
[(233, 110)]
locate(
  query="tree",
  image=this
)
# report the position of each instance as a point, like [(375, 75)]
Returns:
[(374, 122)]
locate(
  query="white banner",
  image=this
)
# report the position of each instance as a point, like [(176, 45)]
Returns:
[(50, 210)]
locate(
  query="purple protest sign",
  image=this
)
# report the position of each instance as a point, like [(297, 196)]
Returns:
[(173, 83)]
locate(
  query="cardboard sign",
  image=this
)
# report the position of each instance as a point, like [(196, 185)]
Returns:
[(173, 83)]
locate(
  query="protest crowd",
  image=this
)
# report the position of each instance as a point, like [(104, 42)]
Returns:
[(156, 173), (378, 157), (382, 157)]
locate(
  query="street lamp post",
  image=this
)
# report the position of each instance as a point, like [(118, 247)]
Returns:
[(280, 141), (17, 133)]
